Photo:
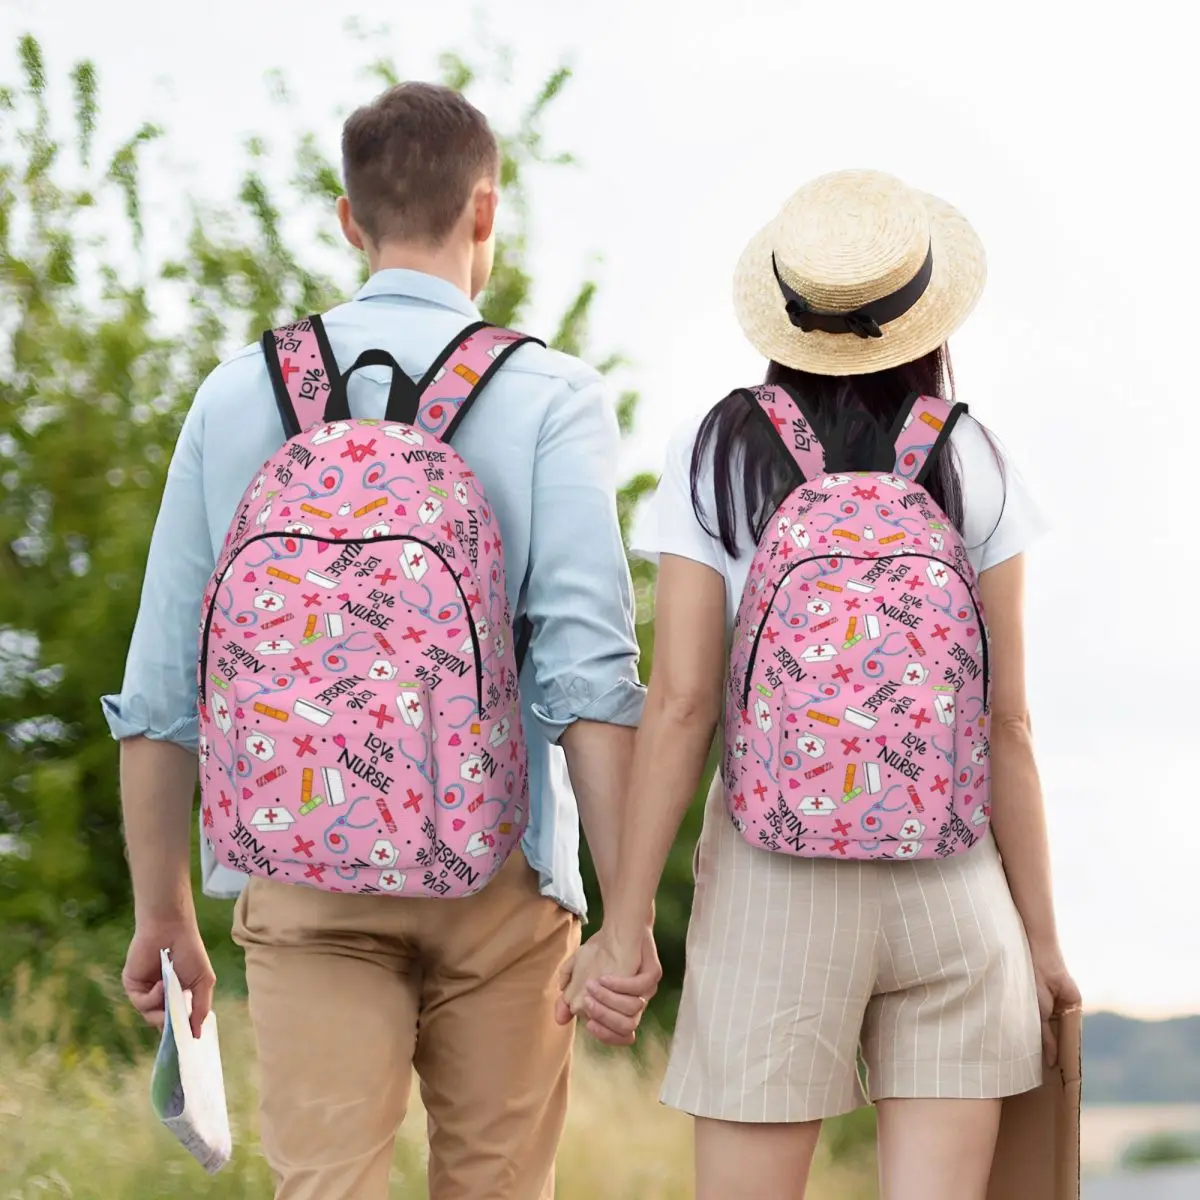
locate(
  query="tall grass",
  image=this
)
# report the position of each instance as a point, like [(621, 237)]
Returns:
[(76, 1123)]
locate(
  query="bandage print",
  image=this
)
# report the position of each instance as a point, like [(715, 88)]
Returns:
[(857, 718), (359, 715)]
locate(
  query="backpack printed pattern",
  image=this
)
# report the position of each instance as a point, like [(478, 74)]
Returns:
[(360, 717), (857, 708)]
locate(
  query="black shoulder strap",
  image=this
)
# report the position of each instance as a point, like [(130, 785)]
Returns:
[(304, 375), (460, 373)]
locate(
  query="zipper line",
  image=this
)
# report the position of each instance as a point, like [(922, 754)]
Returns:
[(329, 541), (865, 558)]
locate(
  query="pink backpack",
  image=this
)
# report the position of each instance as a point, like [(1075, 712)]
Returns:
[(856, 721), (360, 724)]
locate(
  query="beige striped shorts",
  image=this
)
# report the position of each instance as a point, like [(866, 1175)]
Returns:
[(796, 968)]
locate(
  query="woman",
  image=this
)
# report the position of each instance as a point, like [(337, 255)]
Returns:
[(934, 969)]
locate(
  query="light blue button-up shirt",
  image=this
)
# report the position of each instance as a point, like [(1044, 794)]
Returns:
[(543, 440)]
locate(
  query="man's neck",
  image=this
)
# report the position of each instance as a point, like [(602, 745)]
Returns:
[(450, 263)]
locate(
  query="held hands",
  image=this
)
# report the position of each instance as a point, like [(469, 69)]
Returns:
[(608, 987)]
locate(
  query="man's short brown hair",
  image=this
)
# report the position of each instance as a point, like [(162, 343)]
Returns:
[(410, 159)]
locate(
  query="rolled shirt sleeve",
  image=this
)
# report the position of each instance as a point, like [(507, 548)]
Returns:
[(158, 697), (579, 594)]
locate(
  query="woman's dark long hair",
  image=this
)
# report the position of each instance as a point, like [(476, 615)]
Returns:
[(853, 413)]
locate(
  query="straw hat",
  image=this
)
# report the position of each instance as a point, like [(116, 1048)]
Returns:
[(857, 273)]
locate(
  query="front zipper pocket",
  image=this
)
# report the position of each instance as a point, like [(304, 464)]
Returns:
[(826, 648), (326, 586)]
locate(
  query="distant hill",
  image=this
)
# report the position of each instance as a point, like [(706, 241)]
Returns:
[(1126, 1061)]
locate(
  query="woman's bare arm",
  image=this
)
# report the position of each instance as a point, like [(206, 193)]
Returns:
[(683, 705), (1018, 813)]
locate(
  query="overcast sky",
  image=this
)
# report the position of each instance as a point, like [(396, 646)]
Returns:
[(1066, 138)]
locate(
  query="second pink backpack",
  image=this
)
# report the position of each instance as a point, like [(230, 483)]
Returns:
[(856, 720), (360, 722)]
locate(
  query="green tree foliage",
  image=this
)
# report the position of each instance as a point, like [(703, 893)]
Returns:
[(94, 380), (95, 376), (1162, 1149)]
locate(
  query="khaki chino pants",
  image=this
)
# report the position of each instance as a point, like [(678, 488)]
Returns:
[(349, 993)]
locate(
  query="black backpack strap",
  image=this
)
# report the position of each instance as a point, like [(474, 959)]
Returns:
[(304, 375), (460, 373), (781, 411), (920, 433)]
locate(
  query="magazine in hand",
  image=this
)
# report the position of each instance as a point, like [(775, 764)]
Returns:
[(187, 1088)]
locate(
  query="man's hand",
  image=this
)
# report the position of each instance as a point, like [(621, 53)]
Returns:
[(142, 977), (610, 988)]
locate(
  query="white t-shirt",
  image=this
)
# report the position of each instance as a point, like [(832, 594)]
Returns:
[(1000, 517)]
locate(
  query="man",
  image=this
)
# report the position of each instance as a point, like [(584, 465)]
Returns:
[(349, 992)]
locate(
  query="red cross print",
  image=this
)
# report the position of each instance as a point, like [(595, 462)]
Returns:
[(785, 550), (414, 635), (270, 816), (302, 847), (289, 369), (417, 559), (739, 802), (413, 704), (904, 850), (381, 854), (841, 828), (310, 599), (910, 830), (842, 673), (272, 645), (475, 770), (208, 816), (810, 747), (337, 533), (386, 576), (413, 801), (939, 785), (940, 631), (225, 804), (304, 746), (258, 746), (474, 599), (913, 674), (839, 847), (448, 530), (267, 601), (919, 718), (770, 635), (871, 493), (763, 606), (358, 453), (779, 422), (760, 791), (315, 871), (301, 665), (852, 604), (380, 672), (389, 879), (329, 430), (218, 631), (382, 717), (850, 746)]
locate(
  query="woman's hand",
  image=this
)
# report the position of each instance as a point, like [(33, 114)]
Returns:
[(609, 986), (1056, 992)]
